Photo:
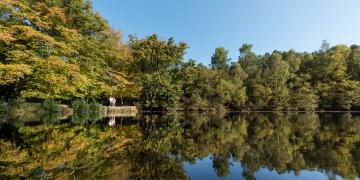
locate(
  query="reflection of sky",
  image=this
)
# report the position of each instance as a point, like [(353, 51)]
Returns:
[(203, 169)]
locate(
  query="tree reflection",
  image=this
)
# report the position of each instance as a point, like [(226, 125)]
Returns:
[(158, 145)]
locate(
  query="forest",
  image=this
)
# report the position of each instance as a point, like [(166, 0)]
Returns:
[(64, 51)]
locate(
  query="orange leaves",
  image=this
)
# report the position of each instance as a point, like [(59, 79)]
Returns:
[(6, 37), (6, 2), (57, 13)]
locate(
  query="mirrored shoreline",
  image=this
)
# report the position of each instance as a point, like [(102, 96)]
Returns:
[(185, 146)]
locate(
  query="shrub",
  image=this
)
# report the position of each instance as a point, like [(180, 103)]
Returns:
[(51, 106), (86, 112), (96, 110), (53, 109), (51, 118), (81, 112), (18, 102), (80, 107)]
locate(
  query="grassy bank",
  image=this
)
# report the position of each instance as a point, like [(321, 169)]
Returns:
[(29, 112), (52, 111)]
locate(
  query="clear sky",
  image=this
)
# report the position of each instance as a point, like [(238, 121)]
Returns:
[(267, 24)]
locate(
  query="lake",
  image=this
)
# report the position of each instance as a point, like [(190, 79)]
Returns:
[(184, 146)]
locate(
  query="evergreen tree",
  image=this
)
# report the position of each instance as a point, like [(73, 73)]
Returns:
[(219, 59)]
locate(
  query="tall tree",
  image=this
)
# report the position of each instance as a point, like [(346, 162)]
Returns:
[(154, 62), (237, 79), (331, 78), (325, 46), (219, 59), (32, 32), (276, 76), (302, 95), (353, 63), (152, 54)]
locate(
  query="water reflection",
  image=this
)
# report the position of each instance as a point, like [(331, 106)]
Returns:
[(111, 120), (249, 146)]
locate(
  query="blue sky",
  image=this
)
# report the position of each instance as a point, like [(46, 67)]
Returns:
[(267, 24)]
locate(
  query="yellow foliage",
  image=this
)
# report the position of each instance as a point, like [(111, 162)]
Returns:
[(81, 45), (30, 32), (54, 78), (57, 13), (11, 73), (11, 153), (6, 2), (6, 37), (17, 55)]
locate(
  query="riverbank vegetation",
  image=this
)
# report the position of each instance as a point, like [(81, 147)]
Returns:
[(50, 111), (85, 112), (63, 50)]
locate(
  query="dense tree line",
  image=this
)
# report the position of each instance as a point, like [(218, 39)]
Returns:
[(60, 49), (326, 79)]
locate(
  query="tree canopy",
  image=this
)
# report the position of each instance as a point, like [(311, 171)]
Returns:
[(60, 49)]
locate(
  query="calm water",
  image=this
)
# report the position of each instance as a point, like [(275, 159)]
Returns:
[(184, 146)]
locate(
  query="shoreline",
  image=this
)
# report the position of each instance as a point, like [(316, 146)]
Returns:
[(109, 111), (248, 111)]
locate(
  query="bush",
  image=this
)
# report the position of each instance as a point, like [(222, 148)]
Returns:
[(17, 103), (51, 106), (86, 112), (53, 109), (81, 112), (96, 110), (80, 107), (51, 118)]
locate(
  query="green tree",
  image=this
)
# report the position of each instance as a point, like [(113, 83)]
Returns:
[(238, 76), (219, 59), (248, 60), (302, 95), (353, 63), (152, 54), (276, 75), (154, 62), (331, 78), (159, 92), (325, 46)]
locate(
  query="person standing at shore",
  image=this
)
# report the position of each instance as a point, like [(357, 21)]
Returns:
[(112, 101)]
